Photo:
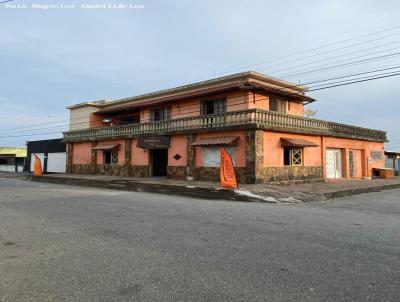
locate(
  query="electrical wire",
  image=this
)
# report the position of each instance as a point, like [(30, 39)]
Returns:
[(358, 62), (320, 47), (353, 82), (234, 104), (342, 55), (318, 87)]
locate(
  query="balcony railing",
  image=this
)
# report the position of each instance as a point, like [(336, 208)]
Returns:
[(246, 119)]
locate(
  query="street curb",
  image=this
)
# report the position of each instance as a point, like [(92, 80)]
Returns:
[(344, 193), (205, 192), (129, 185)]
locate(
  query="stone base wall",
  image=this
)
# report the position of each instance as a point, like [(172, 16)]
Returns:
[(289, 173), (212, 174), (264, 175), (81, 169), (177, 172), (115, 170)]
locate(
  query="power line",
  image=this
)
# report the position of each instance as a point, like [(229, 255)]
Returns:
[(322, 86), (392, 55), (354, 79), (353, 82), (351, 75), (231, 104), (343, 55), (321, 47), (304, 51)]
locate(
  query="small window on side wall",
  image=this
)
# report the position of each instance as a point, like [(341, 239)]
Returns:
[(293, 156), (110, 157), (160, 114), (213, 107), (276, 104)]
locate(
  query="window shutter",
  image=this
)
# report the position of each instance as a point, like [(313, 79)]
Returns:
[(202, 108), (273, 104)]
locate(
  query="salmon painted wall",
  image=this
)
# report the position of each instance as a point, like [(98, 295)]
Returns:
[(273, 151), (81, 153), (236, 100), (296, 108), (261, 101), (121, 151), (177, 146), (365, 148), (96, 121), (258, 101), (240, 148), (145, 115), (316, 156), (139, 156)]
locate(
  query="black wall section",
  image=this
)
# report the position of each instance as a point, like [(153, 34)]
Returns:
[(44, 146)]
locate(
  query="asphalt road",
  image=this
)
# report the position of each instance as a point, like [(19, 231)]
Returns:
[(62, 243)]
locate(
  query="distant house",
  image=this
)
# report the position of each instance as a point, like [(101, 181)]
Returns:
[(178, 133), (392, 160), (51, 153), (12, 159)]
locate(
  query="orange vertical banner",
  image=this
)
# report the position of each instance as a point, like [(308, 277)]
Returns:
[(227, 171), (37, 171)]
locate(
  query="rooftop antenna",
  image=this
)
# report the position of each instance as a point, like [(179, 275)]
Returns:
[(310, 113)]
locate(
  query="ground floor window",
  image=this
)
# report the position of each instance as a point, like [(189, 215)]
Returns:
[(293, 156), (110, 157), (212, 155)]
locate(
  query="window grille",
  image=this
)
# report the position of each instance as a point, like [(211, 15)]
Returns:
[(293, 157)]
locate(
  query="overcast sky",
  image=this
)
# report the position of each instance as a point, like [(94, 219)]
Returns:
[(51, 58)]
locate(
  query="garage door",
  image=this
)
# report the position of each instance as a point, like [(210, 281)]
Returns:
[(56, 162)]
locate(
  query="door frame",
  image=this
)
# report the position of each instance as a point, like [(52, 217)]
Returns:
[(151, 165), (338, 167)]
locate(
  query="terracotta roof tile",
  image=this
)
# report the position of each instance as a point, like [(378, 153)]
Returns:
[(217, 141), (296, 142)]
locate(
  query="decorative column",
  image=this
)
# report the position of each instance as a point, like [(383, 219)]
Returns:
[(254, 156), (93, 159), (127, 163), (190, 157), (346, 163), (69, 150)]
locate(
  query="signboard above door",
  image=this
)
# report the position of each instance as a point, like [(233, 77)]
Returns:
[(376, 154), (153, 141)]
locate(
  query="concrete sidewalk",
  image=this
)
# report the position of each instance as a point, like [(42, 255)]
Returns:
[(247, 192)]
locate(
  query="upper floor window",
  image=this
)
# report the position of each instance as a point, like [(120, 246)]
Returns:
[(213, 106), (132, 119), (277, 104), (160, 114)]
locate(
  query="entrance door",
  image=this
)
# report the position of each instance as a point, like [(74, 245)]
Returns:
[(159, 162), (352, 163), (333, 163)]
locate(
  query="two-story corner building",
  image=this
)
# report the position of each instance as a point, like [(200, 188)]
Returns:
[(178, 133)]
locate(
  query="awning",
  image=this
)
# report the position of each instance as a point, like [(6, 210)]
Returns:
[(106, 147), (217, 141), (296, 143)]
